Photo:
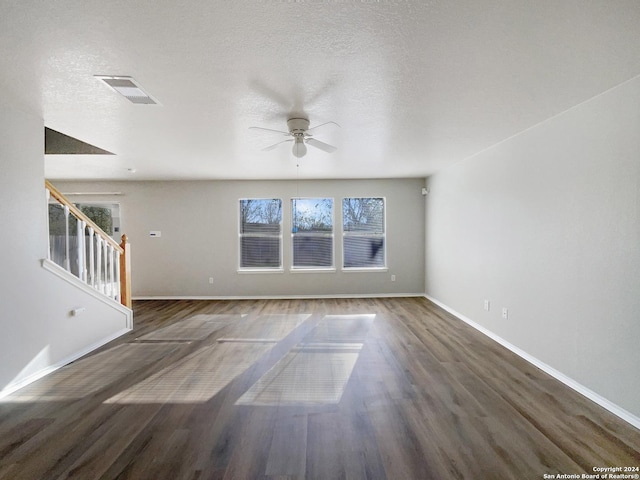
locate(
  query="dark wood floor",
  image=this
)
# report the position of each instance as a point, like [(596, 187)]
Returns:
[(363, 388)]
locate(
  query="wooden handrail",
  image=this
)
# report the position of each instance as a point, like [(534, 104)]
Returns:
[(55, 193)]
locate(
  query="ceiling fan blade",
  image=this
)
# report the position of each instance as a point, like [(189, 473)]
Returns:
[(322, 125), (275, 145), (269, 130), (321, 145)]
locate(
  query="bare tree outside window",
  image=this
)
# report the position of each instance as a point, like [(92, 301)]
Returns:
[(101, 216), (363, 232), (312, 232), (260, 212), (261, 233)]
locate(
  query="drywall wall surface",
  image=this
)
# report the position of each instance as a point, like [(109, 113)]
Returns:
[(547, 225), (198, 221), (38, 331)]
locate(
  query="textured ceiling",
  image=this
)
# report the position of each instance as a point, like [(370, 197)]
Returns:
[(414, 85)]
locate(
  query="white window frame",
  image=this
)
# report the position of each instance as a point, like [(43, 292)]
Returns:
[(251, 270), (312, 269), (346, 234)]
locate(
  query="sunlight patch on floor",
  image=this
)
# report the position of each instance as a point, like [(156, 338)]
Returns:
[(193, 328), (270, 327), (201, 375), (86, 376), (197, 378), (305, 377), (318, 369)]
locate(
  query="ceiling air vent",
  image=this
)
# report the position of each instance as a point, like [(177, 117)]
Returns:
[(128, 88)]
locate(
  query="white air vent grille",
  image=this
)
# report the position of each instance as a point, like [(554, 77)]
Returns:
[(129, 89)]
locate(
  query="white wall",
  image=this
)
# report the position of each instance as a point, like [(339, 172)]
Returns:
[(37, 330), (547, 224), (199, 225)]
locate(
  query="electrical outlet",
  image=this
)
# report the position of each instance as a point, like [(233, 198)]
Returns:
[(393, 278), (505, 313), (487, 305), (211, 280)]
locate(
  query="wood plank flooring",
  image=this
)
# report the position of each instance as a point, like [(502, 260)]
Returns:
[(291, 389)]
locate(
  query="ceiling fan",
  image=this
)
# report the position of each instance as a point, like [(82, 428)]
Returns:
[(302, 136)]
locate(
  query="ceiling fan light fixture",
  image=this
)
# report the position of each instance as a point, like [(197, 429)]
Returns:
[(299, 148)]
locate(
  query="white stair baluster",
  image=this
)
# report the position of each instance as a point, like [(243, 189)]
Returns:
[(48, 196), (99, 263), (84, 251), (67, 261), (117, 284), (92, 274), (105, 266), (80, 237), (111, 292)]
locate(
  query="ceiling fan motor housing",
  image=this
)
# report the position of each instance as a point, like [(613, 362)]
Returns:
[(298, 126)]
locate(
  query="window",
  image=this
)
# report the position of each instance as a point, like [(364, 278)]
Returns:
[(261, 233), (105, 215), (312, 232), (363, 230)]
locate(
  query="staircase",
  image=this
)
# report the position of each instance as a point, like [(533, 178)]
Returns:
[(85, 251)]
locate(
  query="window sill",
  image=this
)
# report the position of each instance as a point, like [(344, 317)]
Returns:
[(365, 269), (251, 271), (312, 270)]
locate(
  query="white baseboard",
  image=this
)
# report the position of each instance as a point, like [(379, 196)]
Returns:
[(276, 297), (15, 386), (568, 381)]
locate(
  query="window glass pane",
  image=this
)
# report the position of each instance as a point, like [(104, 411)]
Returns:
[(105, 216), (312, 230), (363, 232), (312, 251), (363, 251), (312, 214), (363, 215), (263, 216), (261, 233), (260, 252), (57, 233)]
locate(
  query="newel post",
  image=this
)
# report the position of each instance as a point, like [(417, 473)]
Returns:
[(125, 273)]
